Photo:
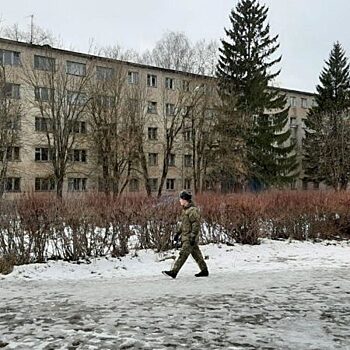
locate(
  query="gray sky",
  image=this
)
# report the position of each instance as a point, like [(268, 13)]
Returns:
[(307, 28)]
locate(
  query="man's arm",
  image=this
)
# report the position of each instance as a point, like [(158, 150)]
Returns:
[(194, 217)]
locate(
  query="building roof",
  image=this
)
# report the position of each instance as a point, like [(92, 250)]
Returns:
[(128, 63)]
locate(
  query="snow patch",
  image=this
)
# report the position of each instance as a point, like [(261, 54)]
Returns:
[(270, 255)]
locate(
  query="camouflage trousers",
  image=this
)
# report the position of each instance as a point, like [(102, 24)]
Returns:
[(185, 251)]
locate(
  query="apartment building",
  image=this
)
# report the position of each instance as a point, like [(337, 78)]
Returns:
[(36, 76), (299, 103)]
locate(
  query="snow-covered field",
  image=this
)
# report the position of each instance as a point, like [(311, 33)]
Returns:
[(278, 295)]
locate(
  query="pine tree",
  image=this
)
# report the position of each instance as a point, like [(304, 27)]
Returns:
[(327, 142), (333, 90), (245, 72)]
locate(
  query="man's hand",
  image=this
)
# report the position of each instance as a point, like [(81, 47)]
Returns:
[(176, 240), (192, 240), (176, 237)]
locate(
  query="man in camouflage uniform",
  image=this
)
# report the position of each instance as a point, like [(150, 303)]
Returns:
[(189, 231)]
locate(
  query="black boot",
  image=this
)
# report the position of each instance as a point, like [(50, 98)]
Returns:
[(169, 273), (203, 273)]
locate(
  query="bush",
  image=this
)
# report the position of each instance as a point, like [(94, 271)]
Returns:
[(229, 219), (7, 264), (37, 228)]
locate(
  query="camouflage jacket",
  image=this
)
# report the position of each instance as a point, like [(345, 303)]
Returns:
[(190, 223)]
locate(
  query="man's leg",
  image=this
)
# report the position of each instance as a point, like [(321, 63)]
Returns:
[(198, 257), (184, 253)]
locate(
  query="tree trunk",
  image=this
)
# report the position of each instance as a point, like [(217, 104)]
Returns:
[(59, 187), (164, 174), (145, 172)]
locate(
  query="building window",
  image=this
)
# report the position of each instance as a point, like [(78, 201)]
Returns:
[(133, 77), (77, 155), (152, 133), (43, 94), (185, 85), (104, 73), (12, 154), (12, 91), (171, 159), (152, 107), (134, 105), (170, 83), (169, 109), (14, 123), (81, 129), (151, 80), (170, 184), (188, 160), (42, 124), (76, 184), (10, 58), (188, 134), (44, 184), (76, 97), (134, 185), (44, 63), (76, 68), (153, 182), (293, 122), (304, 103), (152, 159), (106, 102), (292, 101), (12, 184), (77, 127), (42, 154), (316, 185), (187, 184)]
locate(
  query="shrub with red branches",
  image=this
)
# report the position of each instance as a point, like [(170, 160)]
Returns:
[(37, 228)]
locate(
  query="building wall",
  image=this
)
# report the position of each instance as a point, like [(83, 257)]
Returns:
[(28, 169)]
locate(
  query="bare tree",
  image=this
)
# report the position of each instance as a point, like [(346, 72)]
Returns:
[(34, 35), (175, 105), (334, 148), (10, 111), (199, 130), (138, 112), (112, 128), (116, 52), (205, 57), (175, 51), (186, 125), (60, 98)]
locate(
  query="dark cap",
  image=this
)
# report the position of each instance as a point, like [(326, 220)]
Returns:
[(187, 196)]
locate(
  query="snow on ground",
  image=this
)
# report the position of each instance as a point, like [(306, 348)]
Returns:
[(269, 255), (278, 295)]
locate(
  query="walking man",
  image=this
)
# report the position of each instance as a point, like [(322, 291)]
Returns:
[(189, 231)]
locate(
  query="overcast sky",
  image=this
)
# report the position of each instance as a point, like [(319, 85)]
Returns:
[(307, 28)]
